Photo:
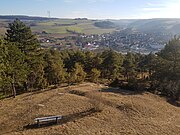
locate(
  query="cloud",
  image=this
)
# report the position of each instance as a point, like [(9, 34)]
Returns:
[(68, 1), (152, 9), (88, 1), (161, 9), (95, 1), (41, 0)]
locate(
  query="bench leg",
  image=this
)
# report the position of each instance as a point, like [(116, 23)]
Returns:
[(56, 120), (38, 123)]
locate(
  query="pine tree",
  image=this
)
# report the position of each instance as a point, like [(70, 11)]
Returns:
[(74, 57), (3, 51), (3, 55), (54, 70), (36, 78), (111, 65), (21, 34), (16, 69), (147, 64), (171, 55), (167, 69), (94, 74), (12, 68), (129, 66), (77, 74)]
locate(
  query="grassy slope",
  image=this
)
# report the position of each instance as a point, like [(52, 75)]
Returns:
[(83, 26), (3, 24), (124, 113), (2, 31)]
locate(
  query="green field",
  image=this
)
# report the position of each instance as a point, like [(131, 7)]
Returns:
[(55, 26), (82, 26)]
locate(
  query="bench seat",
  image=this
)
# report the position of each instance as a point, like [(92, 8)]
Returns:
[(46, 119)]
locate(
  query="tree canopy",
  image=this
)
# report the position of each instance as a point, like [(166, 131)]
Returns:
[(24, 66)]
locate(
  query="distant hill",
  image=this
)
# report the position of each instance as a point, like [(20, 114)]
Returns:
[(55, 25), (104, 24), (12, 17), (123, 22), (87, 26), (157, 25), (165, 25)]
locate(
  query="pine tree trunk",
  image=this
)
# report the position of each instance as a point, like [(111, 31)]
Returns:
[(25, 86), (13, 87), (127, 77), (14, 90)]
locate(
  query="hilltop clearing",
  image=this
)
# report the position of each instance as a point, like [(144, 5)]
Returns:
[(124, 112)]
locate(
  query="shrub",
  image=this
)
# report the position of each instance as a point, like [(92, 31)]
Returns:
[(170, 89), (95, 98)]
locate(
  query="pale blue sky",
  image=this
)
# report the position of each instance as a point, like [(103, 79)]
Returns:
[(96, 9)]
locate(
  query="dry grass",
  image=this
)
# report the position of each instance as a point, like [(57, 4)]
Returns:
[(124, 113), (96, 100)]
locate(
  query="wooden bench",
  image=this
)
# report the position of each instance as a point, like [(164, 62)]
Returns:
[(47, 119)]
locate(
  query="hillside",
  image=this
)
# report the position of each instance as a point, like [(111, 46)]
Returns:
[(124, 113), (12, 17), (157, 25), (59, 26), (105, 24), (56, 26)]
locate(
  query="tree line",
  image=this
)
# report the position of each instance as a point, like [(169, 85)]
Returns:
[(25, 66)]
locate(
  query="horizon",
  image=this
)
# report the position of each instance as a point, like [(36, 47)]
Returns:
[(93, 9), (86, 17)]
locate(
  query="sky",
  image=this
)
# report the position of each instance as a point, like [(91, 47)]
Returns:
[(93, 9)]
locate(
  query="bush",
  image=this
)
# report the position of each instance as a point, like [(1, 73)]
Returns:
[(115, 83), (132, 84), (95, 98), (170, 89)]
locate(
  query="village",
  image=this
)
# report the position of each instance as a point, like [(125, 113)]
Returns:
[(120, 41)]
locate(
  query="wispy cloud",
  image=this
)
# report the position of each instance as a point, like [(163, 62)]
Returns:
[(152, 9), (95, 1), (68, 1), (41, 0), (161, 9), (88, 1)]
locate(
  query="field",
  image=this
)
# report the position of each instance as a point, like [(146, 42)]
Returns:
[(60, 26), (123, 113), (3, 24), (81, 26)]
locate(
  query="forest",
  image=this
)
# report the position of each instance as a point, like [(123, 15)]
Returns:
[(26, 66)]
